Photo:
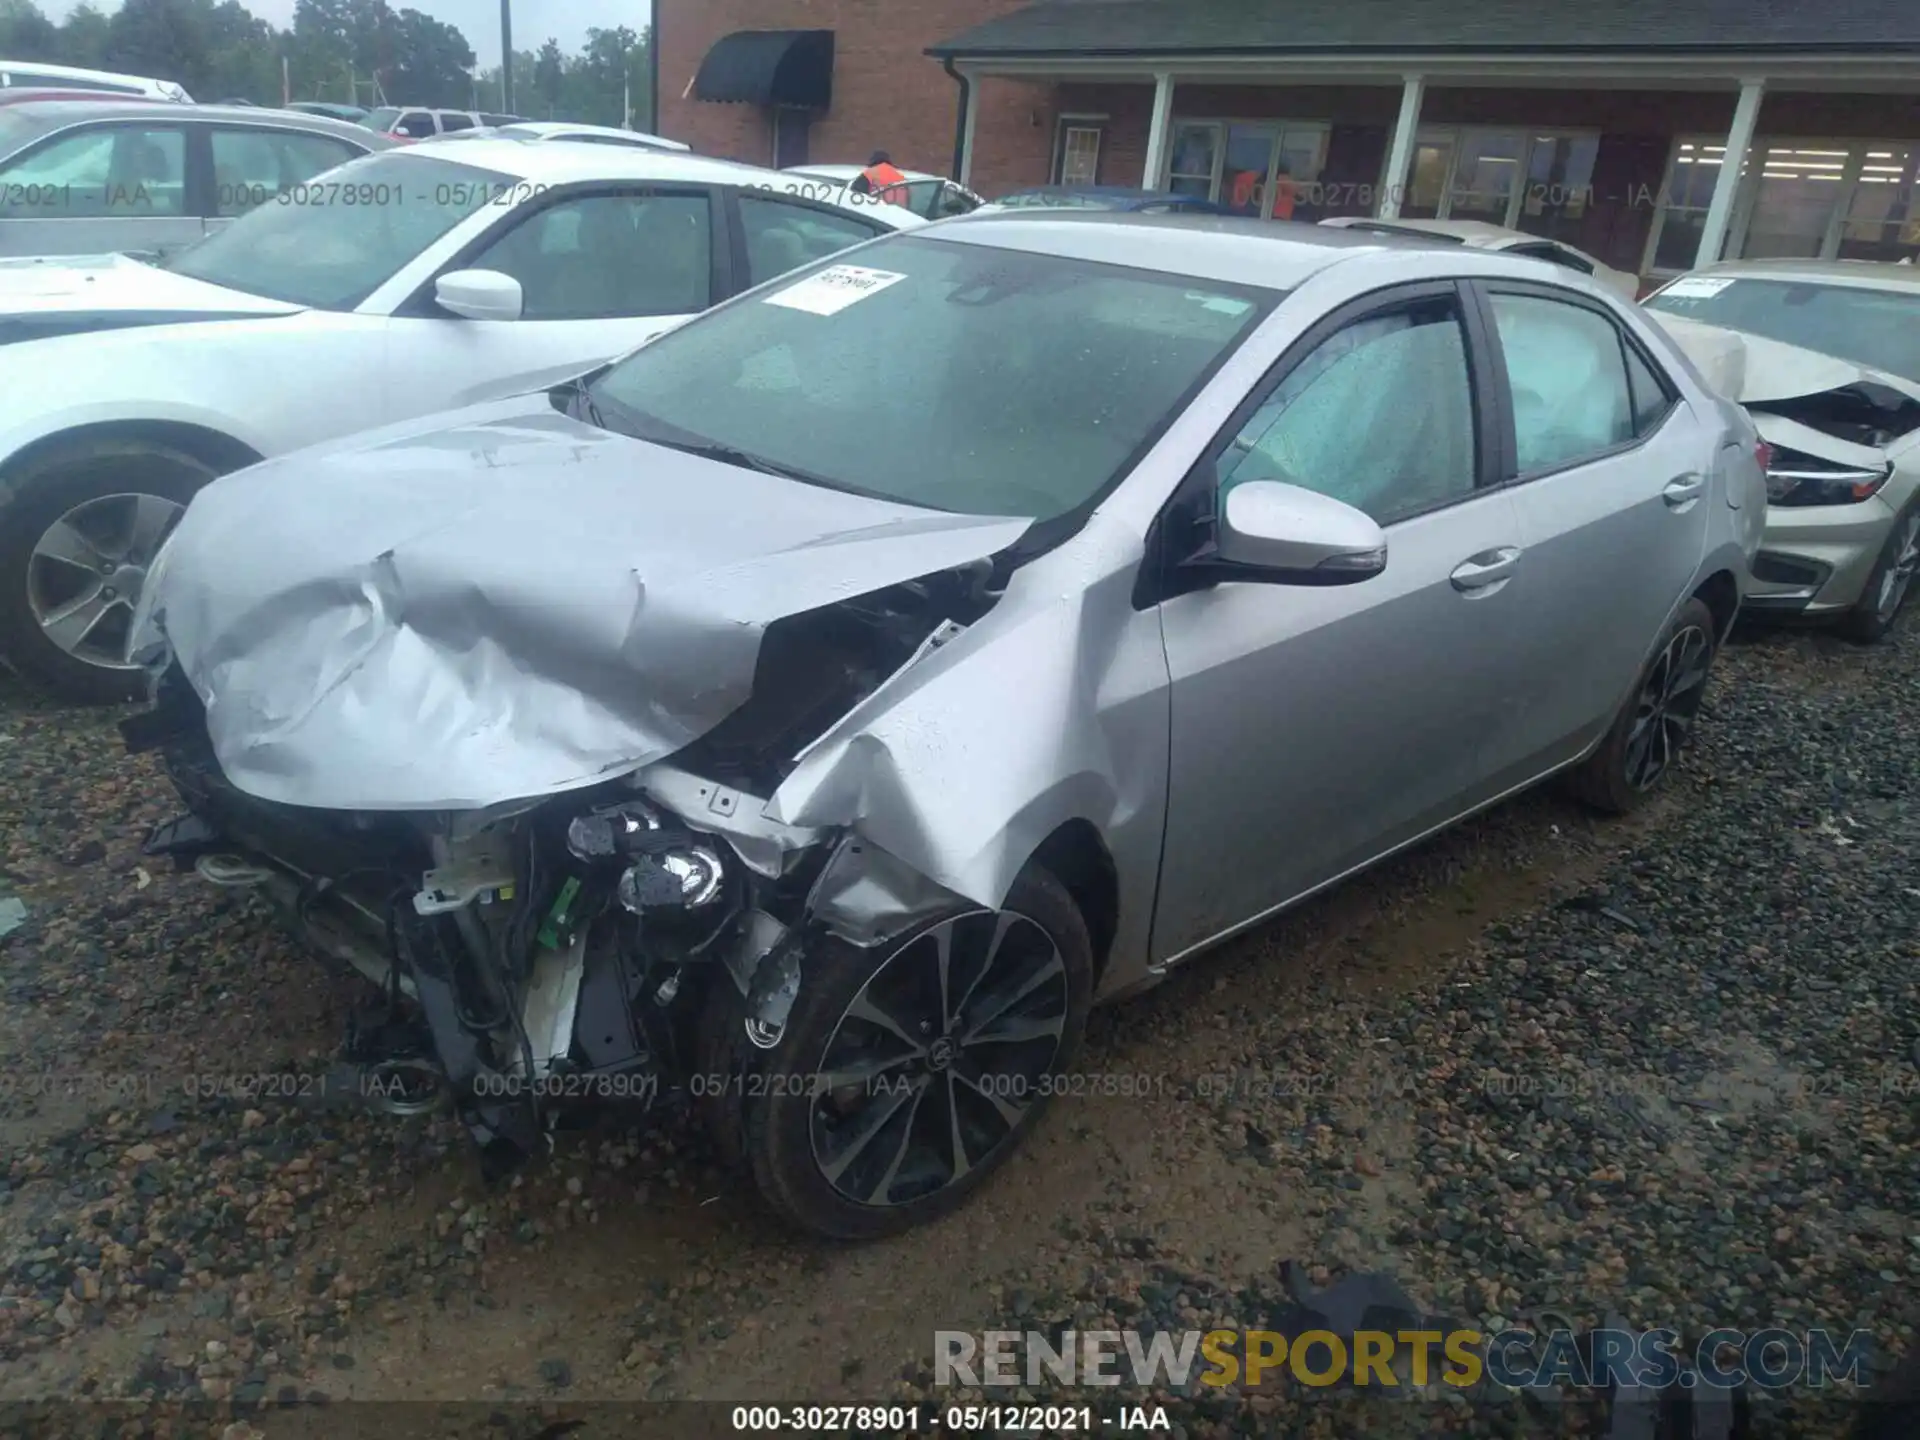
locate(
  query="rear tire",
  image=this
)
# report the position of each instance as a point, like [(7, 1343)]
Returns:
[(1657, 721), (912, 1138), (74, 547)]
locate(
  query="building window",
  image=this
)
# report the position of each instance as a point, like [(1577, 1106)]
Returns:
[(1539, 181), (1798, 199), (1265, 169), (1076, 151)]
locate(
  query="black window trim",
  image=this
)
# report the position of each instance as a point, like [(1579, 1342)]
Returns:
[(1483, 291), (421, 305), (188, 211), (1162, 577), (737, 228)]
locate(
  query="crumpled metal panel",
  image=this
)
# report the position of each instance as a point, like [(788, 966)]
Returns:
[(934, 770), (508, 604), (1755, 370)]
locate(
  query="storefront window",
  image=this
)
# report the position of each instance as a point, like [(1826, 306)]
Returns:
[(1799, 199), (1541, 183), (1268, 170), (1794, 202), (1883, 219), (1190, 168), (1559, 186), (1486, 177)]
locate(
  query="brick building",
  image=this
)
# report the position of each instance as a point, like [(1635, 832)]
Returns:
[(1605, 125)]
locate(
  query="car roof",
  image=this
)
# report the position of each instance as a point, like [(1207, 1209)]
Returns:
[(1472, 232), (561, 164), (1228, 248), (851, 172), (1866, 274), (546, 128), (48, 115)]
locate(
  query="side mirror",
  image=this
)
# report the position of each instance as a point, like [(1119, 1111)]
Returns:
[(480, 295), (1289, 536)]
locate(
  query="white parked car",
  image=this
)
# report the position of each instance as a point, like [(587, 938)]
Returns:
[(32, 75), (411, 281), (1479, 235), (563, 130), (928, 196)]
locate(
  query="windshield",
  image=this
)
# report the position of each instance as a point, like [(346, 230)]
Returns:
[(951, 376), (333, 241), (381, 120), (1877, 328)]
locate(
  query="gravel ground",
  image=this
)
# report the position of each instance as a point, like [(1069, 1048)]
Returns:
[(1663, 1067)]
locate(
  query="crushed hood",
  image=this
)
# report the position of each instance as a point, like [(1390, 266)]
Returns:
[(511, 606), (114, 284), (1756, 371)]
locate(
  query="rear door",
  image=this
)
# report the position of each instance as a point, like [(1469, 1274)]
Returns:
[(112, 185), (602, 269), (250, 165), (1611, 471)]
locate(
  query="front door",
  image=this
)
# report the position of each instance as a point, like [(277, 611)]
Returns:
[(106, 188), (601, 273), (1314, 729)]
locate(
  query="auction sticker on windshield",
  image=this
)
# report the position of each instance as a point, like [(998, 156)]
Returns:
[(1695, 287), (835, 288)]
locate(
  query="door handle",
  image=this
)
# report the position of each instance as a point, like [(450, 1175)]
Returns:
[(1683, 490), (1488, 568)]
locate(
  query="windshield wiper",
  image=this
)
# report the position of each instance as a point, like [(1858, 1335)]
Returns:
[(580, 395), (733, 455)]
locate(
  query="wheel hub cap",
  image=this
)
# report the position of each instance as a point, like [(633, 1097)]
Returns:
[(88, 569), (1893, 587), (938, 1058)]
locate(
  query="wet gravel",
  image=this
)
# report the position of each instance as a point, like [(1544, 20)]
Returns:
[(1682, 1087)]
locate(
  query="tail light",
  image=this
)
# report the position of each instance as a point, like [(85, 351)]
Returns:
[(1763, 452)]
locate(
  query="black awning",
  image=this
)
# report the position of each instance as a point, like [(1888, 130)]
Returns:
[(769, 67)]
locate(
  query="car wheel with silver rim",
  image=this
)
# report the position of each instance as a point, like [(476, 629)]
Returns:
[(908, 1073), (75, 545), (1657, 722), (1888, 586)]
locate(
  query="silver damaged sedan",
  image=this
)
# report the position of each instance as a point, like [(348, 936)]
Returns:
[(811, 715)]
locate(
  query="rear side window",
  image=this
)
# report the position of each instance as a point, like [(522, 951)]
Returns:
[(1567, 372), (452, 120), (251, 167), (1652, 396), (782, 236)]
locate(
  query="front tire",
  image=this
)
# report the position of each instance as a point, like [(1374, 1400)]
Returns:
[(74, 549), (1886, 589), (1657, 722), (908, 1073)]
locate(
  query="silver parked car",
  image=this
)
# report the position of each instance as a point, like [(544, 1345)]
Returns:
[(84, 177), (816, 711), (1827, 357)]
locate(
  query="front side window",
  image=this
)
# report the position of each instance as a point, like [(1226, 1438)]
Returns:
[(121, 172), (452, 120), (782, 237), (1568, 376), (1020, 384), (333, 243), (1379, 416), (601, 257), (1876, 328), (417, 124)]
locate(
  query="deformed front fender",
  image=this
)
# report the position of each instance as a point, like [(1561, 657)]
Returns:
[(1051, 709)]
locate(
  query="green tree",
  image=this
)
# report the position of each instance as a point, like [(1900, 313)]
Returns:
[(549, 74), (85, 37), (432, 63), (27, 34)]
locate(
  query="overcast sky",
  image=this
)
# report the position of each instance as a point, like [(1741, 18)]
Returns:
[(479, 20)]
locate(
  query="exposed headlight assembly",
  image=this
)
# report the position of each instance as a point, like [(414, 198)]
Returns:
[(1797, 478)]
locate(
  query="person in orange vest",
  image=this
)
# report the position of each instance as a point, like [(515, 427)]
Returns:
[(881, 179)]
